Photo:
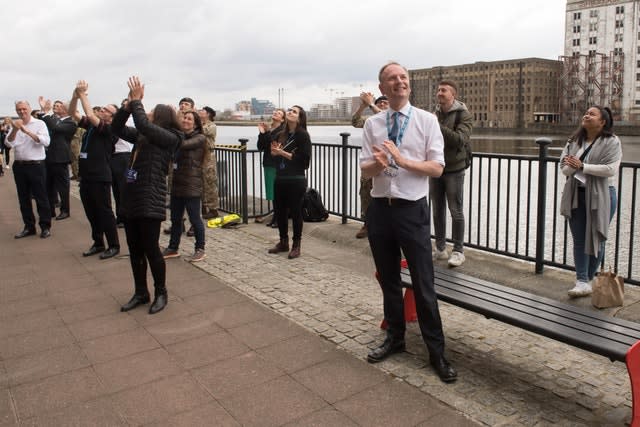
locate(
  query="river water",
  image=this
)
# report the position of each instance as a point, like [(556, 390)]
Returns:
[(502, 144)]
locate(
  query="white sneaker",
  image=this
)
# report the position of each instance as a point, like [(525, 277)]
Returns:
[(440, 255), (581, 289), (456, 259)]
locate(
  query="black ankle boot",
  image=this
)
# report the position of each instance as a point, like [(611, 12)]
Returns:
[(135, 301), (159, 303), (281, 246)]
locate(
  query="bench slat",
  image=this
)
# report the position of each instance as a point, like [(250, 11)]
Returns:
[(557, 315), (625, 325), (589, 330)]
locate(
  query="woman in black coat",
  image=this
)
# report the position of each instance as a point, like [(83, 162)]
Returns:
[(155, 138), (291, 153)]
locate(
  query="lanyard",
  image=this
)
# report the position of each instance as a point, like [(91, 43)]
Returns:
[(402, 129)]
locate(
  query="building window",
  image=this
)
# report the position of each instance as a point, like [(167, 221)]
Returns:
[(593, 26), (637, 101), (576, 28), (576, 42), (576, 16), (594, 40), (593, 13), (619, 24), (619, 9), (638, 77)]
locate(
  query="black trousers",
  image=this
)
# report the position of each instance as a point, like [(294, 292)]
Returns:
[(96, 200), (31, 181), (406, 226), (119, 164), (58, 185), (143, 235), (289, 194)]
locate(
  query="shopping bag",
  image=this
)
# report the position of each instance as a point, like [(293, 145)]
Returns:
[(608, 290)]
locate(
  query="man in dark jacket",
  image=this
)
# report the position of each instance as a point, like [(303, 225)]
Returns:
[(95, 172), (456, 123), (61, 129)]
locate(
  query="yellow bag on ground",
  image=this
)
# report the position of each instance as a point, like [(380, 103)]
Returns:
[(222, 221)]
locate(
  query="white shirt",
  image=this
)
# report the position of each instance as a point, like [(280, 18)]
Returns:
[(422, 140), (123, 146), (24, 147)]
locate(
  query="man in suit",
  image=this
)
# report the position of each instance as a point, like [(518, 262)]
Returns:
[(401, 149), (61, 130)]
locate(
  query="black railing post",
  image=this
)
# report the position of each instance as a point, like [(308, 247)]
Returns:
[(542, 201), (243, 177), (345, 171)]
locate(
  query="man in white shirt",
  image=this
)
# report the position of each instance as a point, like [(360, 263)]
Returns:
[(28, 138), (402, 147)]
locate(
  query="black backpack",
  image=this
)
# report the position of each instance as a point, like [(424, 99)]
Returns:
[(312, 208)]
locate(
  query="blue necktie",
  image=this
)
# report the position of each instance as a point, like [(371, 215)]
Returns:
[(393, 135)]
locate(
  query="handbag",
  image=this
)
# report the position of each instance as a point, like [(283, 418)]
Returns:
[(608, 290)]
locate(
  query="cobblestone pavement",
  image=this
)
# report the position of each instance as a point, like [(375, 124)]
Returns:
[(508, 377)]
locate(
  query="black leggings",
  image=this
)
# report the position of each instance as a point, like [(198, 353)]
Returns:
[(289, 194), (143, 235)]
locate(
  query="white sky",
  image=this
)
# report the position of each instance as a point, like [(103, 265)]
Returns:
[(221, 52)]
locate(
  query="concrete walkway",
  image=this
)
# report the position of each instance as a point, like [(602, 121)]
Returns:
[(215, 356), (250, 338)]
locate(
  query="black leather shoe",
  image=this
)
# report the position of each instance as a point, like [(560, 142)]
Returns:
[(135, 301), (159, 303), (24, 233), (445, 371), (93, 250), (63, 215), (388, 347), (45, 233), (110, 253)]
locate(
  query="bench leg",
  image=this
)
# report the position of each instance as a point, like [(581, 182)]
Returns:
[(410, 314), (633, 367)]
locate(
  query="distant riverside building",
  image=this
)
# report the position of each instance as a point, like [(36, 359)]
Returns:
[(500, 94), (601, 66), (262, 107)]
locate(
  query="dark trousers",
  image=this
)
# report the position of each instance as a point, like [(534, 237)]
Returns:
[(289, 194), (96, 199), (31, 181), (406, 227), (178, 206), (58, 185), (119, 164), (143, 235)]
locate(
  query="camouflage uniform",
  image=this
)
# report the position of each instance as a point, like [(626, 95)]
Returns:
[(210, 198), (366, 184), (75, 151)]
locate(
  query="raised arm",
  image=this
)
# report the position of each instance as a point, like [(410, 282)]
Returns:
[(81, 89)]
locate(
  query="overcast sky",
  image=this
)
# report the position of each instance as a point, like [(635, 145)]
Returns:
[(221, 52)]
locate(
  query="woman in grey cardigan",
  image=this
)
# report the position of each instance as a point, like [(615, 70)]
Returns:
[(590, 160)]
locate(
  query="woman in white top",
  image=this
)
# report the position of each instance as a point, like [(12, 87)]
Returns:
[(590, 161)]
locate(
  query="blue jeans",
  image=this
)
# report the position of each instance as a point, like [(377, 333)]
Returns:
[(446, 190), (586, 265), (178, 205)]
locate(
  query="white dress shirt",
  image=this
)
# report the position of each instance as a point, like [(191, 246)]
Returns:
[(421, 140), (24, 147)]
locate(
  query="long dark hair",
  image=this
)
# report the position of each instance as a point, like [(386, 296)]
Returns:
[(165, 117), (302, 123), (580, 134)]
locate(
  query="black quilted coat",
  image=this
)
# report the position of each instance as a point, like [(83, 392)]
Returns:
[(151, 157)]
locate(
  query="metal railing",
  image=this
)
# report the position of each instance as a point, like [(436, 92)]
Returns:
[(511, 201)]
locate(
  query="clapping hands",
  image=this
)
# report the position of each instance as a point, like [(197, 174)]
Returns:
[(136, 89)]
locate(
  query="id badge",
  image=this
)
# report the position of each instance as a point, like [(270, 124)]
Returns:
[(175, 166), (83, 155), (131, 175)]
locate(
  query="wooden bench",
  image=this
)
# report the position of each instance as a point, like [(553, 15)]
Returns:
[(616, 339)]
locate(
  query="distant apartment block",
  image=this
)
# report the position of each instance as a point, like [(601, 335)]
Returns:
[(341, 109), (262, 107), (499, 94), (601, 65)]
